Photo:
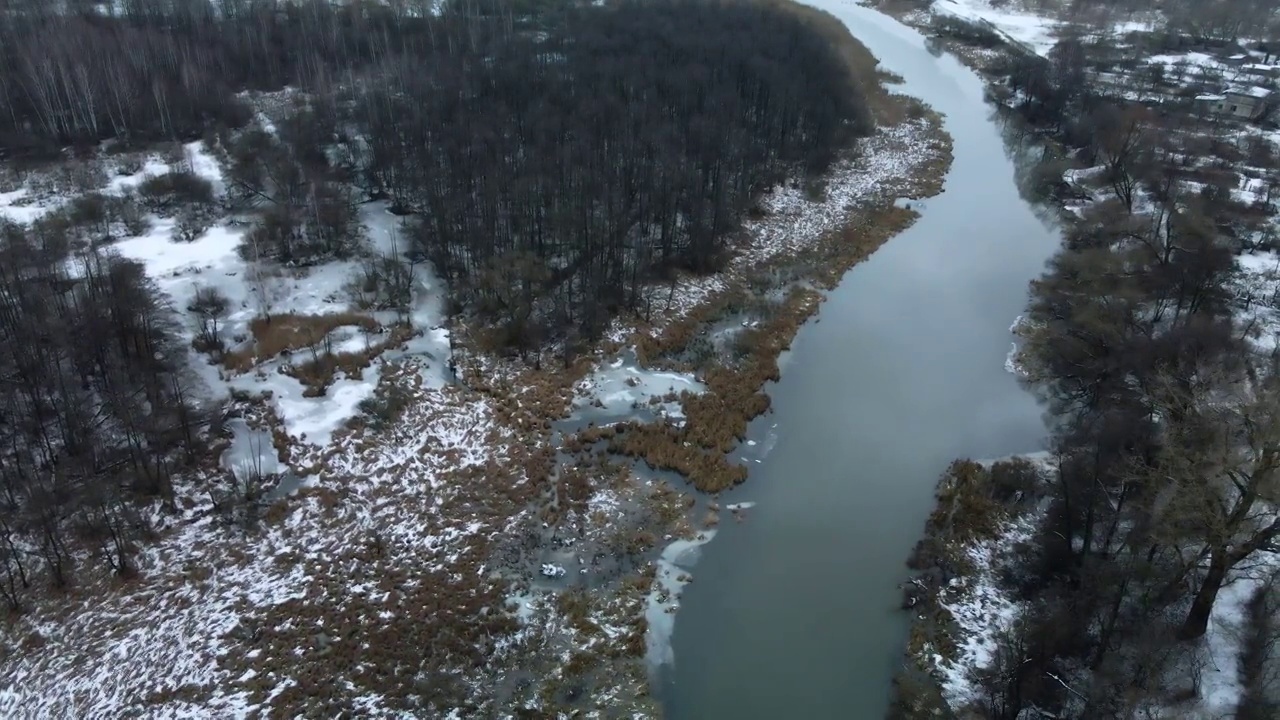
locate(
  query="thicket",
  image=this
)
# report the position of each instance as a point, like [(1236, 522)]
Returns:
[(573, 166), (1164, 430), (96, 409)]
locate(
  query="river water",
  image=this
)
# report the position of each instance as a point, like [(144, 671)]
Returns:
[(794, 612)]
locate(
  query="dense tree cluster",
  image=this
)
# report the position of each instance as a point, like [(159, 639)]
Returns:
[(557, 172), (146, 70), (96, 412), (1165, 432)]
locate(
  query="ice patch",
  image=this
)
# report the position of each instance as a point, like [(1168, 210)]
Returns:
[(251, 453), (622, 386), (664, 598)]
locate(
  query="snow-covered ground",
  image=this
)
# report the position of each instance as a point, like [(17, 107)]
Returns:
[(1258, 293), (981, 608), (1035, 31), (204, 579), (1220, 689)]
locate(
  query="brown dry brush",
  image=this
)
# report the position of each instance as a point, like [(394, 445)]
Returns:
[(317, 375), (290, 332)]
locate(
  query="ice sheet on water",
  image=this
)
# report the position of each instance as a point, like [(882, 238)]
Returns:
[(313, 418), (664, 598), (622, 385), (251, 451)]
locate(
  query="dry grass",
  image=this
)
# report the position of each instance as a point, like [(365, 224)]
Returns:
[(317, 375), (289, 332)]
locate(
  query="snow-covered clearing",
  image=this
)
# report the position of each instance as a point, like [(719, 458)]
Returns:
[(180, 269), (1035, 31), (38, 196), (1258, 297), (212, 261)]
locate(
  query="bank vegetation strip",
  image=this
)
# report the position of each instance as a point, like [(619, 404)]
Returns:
[(1131, 571)]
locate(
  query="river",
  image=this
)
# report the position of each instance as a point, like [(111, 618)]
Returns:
[(794, 612)]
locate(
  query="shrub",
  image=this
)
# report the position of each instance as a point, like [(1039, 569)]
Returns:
[(133, 218), (210, 308), (192, 223), (385, 406), (165, 192), (1013, 479), (285, 333), (129, 165), (966, 30)]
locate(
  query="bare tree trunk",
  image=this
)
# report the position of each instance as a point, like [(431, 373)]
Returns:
[(1197, 621)]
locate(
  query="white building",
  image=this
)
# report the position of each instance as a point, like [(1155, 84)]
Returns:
[(1248, 104)]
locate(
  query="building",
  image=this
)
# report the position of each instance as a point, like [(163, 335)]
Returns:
[(1261, 70), (1247, 104)]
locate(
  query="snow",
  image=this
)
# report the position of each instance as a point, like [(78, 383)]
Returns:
[(621, 386), (1220, 690), (151, 167), (314, 419), (1132, 26), (1194, 58), (1258, 297), (18, 206), (1037, 32), (981, 610)]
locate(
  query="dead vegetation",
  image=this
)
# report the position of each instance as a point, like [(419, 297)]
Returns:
[(275, 335), (317, 374)]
